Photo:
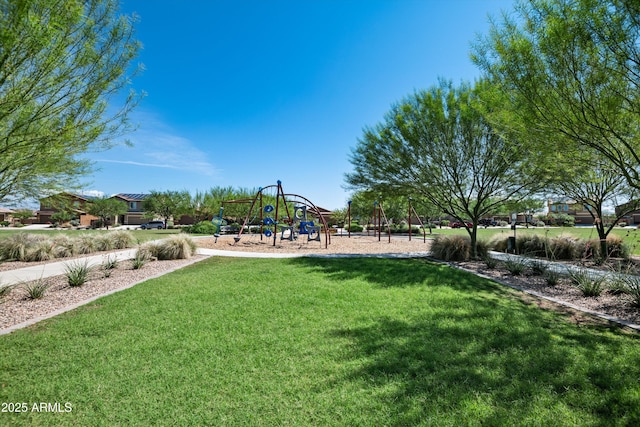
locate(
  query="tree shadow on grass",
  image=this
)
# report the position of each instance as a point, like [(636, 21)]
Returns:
[(388, 272), (493, 375), (491, 360)]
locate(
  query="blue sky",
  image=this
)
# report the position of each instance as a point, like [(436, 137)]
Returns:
[(245, 93)]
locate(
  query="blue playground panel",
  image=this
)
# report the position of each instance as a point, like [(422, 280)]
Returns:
[(304, 225)]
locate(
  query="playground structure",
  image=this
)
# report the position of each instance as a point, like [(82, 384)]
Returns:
[(377, 220), (268, 206)]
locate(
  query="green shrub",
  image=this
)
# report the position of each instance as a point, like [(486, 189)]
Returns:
[(354, 227), (203, 227), (77, 273), (143, 256)]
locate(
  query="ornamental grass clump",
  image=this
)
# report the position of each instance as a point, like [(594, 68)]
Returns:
[(121, 239), (632, 288), (4, 291), (103, 243), (538, 267), (77, 273), (39, 250), (143, 256), (86, 244), (451, 248), (36, 289), (532, 245), (515, 266), (552, 277), (64, 246), (564, 248), (175, 247), (16, 247), (589, 284)]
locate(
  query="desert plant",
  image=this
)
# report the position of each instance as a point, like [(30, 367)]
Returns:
[(103, 242), (108, 265), (86, 244), (451, 248), (36, 289), (552, 277), (4, 291), (143, 256), (64, 246), (175, 247), (538, 267), (121, 239), (532, 245), (490, 262), (39, 250), (15, 247), (563, 247), (515, 267), (589, 284), (77, 273), (632, 288)]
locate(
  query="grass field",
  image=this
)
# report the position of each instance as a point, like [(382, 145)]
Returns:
[(310, 341)]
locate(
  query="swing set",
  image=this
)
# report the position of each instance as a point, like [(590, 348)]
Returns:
[(378, 215), (269, 204)]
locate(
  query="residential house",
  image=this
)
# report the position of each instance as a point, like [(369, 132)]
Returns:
[(567, 206), (632, 218), (135, 212), (74, 203), (6, 215)]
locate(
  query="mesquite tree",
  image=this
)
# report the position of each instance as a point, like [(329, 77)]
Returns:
[(63, 64), (436, 144)]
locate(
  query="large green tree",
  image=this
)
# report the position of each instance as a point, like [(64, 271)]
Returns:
[(63, 63), (166, 204), (437, 145), (571, 72), (107, 208)]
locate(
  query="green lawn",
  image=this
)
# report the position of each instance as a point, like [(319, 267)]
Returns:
[(319, 342)]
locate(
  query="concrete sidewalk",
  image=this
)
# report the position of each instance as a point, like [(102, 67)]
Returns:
[(12, 277)]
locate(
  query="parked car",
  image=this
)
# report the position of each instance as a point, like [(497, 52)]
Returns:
[(152, 224), (458, 224), (487, 222)]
